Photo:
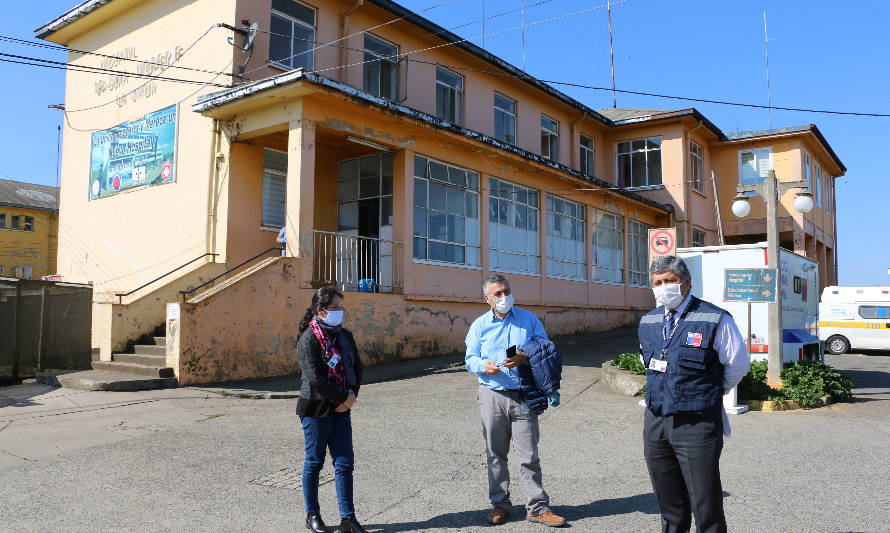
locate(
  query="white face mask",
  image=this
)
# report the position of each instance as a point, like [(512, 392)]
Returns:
[(504, 304), (334, 318), (668, 295)]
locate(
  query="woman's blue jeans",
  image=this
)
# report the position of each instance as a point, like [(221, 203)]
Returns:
[(334, 433)]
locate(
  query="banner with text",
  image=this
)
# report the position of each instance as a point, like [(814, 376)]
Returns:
[(134, 154)]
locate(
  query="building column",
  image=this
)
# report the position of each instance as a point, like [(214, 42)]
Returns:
[(300, 203), (799, 235), (403, 216)]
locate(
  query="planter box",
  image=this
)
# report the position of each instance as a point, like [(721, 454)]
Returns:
[(622, 381), (770, 406)]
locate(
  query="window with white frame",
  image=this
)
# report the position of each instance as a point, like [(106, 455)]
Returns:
[(449, 95), (754, 166), (566, 256), (16, 222), (549, 138), (637, 236), (381, 67), (607, 240), (699, 238), (513, 227), (807, 171), (639, 162), (274, 187), (446, 212), (818, 191), (504, 119), (29, 224), (697, 163), (828, 182), (586, 157), (292, 34)]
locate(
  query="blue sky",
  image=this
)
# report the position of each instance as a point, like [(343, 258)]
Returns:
[(822, 55)]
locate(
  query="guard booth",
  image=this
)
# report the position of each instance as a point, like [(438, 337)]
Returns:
[(43, 325)]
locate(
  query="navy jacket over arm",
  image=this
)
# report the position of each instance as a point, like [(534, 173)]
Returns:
[(541, 376)]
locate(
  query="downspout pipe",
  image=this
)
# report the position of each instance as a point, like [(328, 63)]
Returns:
[(344, 32)]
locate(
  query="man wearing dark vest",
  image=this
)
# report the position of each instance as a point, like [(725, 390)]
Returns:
[(693, 353)]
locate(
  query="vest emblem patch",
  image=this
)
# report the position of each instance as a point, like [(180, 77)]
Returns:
[(693, 339)]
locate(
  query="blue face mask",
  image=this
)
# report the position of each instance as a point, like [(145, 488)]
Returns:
[(334, 318)]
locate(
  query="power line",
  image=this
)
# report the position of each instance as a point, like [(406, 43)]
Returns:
[(107, 56)]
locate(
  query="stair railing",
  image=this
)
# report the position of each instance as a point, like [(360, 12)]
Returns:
[(121, 296), (189, 293)]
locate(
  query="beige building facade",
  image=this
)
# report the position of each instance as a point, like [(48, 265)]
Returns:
[(405, 164)]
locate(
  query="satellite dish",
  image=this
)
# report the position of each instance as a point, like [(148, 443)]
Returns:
[(248, 40)]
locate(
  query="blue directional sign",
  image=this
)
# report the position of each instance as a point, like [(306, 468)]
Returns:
[(750, 285)]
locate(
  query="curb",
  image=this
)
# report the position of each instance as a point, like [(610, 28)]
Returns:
[(777, 406), (621, 381)]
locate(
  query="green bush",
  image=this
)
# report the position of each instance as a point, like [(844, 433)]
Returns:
[(631, 362), (805, 382)]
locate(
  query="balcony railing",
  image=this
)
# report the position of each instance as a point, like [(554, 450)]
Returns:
[(353, 263)]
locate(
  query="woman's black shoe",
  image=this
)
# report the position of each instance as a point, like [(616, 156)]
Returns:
[(315, 524), (351, 525)]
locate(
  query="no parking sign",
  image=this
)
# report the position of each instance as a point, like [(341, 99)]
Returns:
[(662, 241)]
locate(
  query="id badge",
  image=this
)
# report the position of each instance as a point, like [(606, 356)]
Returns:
[(658, 365), (332, 362)]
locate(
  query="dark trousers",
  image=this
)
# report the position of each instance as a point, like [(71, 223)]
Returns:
[(319, 434), (683, 456)]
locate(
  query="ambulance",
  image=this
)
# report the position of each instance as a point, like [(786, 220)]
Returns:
[(855, 318)]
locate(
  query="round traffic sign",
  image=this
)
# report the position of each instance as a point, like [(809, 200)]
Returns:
[(662, 243)]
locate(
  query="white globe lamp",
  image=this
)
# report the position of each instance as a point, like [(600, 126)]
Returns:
[(741, 207), (803, 202)]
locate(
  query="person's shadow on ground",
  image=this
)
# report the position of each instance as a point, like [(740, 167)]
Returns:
[(643, 503)]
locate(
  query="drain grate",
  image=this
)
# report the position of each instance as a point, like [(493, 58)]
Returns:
[(289, 478)]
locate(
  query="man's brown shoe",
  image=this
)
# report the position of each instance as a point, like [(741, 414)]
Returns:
[(497, 516), (548, 519)]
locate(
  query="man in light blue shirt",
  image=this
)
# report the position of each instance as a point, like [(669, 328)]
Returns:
[(503, 417)]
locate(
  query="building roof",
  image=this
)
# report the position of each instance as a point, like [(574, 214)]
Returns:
[(73, 14), (29, 195), (220, 98), (755, 134), (625, 113)]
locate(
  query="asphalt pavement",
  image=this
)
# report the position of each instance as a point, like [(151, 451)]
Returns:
[(207, 459)]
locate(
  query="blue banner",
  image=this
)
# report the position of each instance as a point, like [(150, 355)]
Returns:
[(134, 154)]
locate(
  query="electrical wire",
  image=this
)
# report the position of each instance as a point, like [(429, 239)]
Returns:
[(15, 40)]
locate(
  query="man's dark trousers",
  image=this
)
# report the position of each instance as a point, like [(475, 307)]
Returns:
[(683, 456)]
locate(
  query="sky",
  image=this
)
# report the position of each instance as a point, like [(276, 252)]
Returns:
[(822, 55)]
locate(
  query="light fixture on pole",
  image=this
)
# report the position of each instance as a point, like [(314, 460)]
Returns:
[(772, 190)]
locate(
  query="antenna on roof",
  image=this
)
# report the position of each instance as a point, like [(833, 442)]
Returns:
[(483, 23), (612, 54), (522, 29), (769, 96)]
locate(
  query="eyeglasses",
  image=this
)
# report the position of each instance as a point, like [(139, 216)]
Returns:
[(502, 292)]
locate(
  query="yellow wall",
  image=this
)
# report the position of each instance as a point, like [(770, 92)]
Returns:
[(35, 249)]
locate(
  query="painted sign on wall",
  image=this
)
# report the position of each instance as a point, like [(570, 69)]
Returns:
[(134, 154)]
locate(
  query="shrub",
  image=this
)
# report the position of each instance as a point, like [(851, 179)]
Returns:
[(805, 382), (631, 362)]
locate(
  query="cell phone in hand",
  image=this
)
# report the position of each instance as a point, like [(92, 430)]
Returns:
[(511, 352)]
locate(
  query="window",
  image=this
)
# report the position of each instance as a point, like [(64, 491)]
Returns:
[(697, 161), (586, 156), (754, 165), (27, 272), (364, 196), (449, 95), (565, 238), (828, 182), (638, 234), (292, 34), (274, 187), (29, 224), (807, 171), (639, 162), (2, 221), (699, 238), (446, 212), (874, 311), (549, 138), (504, 119), (513, 227), (608, 247), (381, 67), (15, 222), (818, 191)]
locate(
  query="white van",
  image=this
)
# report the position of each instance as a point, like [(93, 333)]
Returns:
[(855, 318)]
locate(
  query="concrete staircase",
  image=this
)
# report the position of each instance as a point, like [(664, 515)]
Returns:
[(144, 368)]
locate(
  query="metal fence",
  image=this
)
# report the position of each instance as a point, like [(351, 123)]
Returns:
[(43, 325), (354, 263)]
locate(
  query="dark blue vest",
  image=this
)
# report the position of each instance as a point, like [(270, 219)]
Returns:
[(693, 381)]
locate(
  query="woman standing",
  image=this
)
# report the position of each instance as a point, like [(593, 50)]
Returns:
[(332, 375)]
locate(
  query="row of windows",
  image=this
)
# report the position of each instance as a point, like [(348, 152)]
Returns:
[(813, 171), (16, 222), (21, 272)]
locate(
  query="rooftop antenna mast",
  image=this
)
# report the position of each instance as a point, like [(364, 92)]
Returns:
[(522, 29), (612, 54), (483, 23), (769, 96)]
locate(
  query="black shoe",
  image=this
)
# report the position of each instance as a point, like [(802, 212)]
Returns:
[(351, 525), (315, 524)]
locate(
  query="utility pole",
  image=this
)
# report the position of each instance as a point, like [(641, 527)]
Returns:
[(612, 54), (769, 94)]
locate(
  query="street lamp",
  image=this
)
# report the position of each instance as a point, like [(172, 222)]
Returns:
[(771, 190)]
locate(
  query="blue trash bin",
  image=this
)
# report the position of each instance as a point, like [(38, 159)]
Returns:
[(366, 285)]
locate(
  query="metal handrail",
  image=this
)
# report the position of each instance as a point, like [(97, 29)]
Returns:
[(227, 272), (120, 295)]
